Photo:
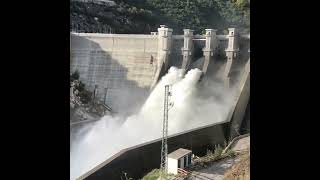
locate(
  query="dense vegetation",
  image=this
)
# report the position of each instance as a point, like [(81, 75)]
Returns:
[(144, 16), (84, 95)]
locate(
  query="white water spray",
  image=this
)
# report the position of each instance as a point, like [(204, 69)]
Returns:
[(193, 107)]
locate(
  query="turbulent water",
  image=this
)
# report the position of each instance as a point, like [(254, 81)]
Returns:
[(194, 105)]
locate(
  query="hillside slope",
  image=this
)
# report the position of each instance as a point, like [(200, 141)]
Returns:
[(143, 16)]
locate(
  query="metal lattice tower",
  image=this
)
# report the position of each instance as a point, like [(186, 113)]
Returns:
[(164, 147)]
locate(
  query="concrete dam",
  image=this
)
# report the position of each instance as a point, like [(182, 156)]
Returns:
[(134, 69)]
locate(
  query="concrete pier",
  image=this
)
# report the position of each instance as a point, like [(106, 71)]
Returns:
[(231, 53), (187, 48), (208, 50), (164, 50)]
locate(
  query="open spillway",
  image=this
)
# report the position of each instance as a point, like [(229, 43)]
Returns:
[(128, 66), (195, 104)]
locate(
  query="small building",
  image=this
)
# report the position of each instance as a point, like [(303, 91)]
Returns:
[(179, 159)]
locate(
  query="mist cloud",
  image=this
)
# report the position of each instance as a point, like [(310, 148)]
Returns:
[(195, 104)]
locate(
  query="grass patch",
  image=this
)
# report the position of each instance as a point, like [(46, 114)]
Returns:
[(125, 176), (155, 174), (211, 157)]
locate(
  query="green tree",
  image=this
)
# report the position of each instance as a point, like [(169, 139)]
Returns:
[(74, 76), (143, 16), (84, 94)]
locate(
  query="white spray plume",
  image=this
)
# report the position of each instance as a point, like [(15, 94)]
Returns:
[(194, 106)]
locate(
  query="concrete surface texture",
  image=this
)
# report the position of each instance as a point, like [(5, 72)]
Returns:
[(125, 64), (130, 58), (242, 102), (177, 154), (241, 144)]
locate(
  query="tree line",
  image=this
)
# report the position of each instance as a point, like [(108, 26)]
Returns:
[(143, 16)]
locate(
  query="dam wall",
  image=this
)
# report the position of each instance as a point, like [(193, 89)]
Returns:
[(241, 114), (138, 160), (124, 64)]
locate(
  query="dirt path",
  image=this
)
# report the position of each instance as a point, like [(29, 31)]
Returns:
[(217, 170), (242, 144)]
